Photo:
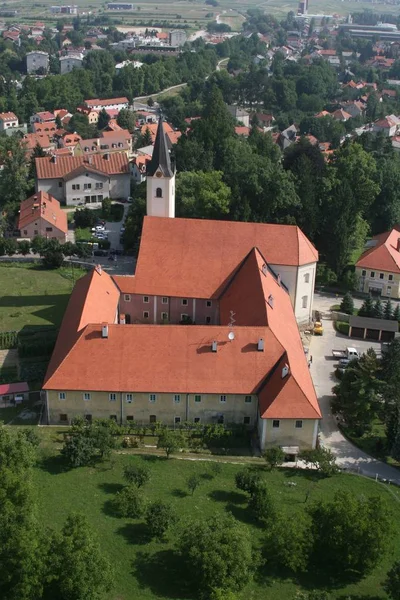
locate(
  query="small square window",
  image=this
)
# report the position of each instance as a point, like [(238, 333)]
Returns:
[(164, 300), (208, 303), (372, 274), (246, 420), (304, 301), (88, 418), (222, 398), (127, 297), (307, 278), (197, 398), (177, 398), (208, 320), (381, 275), (153, 419), (196, 420), (152, 398), (164, 316), (299, 424), (146, 314), (129, 398), (184, 316), (61, 396), (177, 420), (25, 232), (275, 424), (113, 397), (363, 273), (63, 417), (60, 184), (184, 302), (390, 277), (48, 229), (129, 417), (247, 399), (86, 396), (146, 299)]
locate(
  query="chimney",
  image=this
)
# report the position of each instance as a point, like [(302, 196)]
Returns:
[(104, 330), (122, 319), (285, 371), (260, 345), (214, 346), (54, 159), (398, 244), (107, 156)]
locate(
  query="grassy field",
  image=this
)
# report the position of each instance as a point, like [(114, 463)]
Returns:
[(150, 570), (32, 296)]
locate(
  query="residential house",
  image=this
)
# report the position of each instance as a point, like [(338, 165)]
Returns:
[(389, 126), (31, 140), (378, 268), (139, 166), (242, 131), (287, 137), (69, 62), (177, 37), (41, 214), (43, 117), (110, 141), (240, 115), (172, 135), (8, 120), (354, 108), (92, 115), (36, 60), (110, 103), (341, 115)]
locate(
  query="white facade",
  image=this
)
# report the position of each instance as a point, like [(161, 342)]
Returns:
[(300, 282), (8, 123), (161, 196), (67, 63), (37, 60), (177, 37), (100, 104)]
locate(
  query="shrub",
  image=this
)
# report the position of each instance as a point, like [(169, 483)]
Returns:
[(129, 502), (137, 476), (342, 327), (159, 518), (247, 480), (274, 456), (262, 504), (84, 217)]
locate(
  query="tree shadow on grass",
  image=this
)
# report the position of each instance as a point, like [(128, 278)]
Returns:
[(111, 488), (164, 574), (310, 474), (244, 515), (179, 493), (135, 533), (207, 476), (54, 464), (109, 509), (230, 497), (152, 458)]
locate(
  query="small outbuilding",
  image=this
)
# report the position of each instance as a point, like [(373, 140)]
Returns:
[(367, 328), (13, 393)]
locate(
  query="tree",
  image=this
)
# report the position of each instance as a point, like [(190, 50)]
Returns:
[(274, 456), (347, 304), (104, 117), (24, 247), (102, 433), (106, 208), (392, 582), (129, 502), (145, 138), (289, 542), (218, 554), (77, 568), (159, 518), (247, 480), (193, 482), (14, 182), (136, 475), (367, 308), (79, 450), (53, 258), (350, 533), (388, 310), (322, 459), (378, 309), (38, 244), (126, 119), (262, 504), (202, 195), (84, 217), (12, 246), (396, 313), (170, 441)]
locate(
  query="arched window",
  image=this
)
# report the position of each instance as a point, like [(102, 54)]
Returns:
[(159, 193)]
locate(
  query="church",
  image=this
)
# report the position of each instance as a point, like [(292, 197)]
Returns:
[(206, 331)]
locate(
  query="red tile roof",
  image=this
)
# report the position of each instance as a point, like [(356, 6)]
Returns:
[(48, 127), (242, 130), (8, 116), (116, 164), (44, 206), (152, 127), (206, 253), (106, 102), (383, 256), (13, 388), (45, 115), (30, 140)]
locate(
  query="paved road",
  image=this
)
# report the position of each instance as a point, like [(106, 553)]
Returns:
[(322, 368)]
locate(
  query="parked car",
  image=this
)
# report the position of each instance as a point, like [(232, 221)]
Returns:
[(100, 253), (122, 229), (99, 228), (130, 199)]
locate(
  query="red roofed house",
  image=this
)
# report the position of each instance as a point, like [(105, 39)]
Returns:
[(8, 120), (109, 103), (390, 125), (31, 140), (75, 180), (379, 266), (41, 215), (42, 117), (125, 350), (341, 115)]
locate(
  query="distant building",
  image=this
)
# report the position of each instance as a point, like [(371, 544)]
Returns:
[(8, 120), (303, 7), (119, 6), (43, 117), (177, 37), (108, 103), (241, 115), (36, 60), (70, 9), (378, 268), (72, 61), (41, 214)]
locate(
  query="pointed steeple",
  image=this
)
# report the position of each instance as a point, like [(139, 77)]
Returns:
[(161, 160)]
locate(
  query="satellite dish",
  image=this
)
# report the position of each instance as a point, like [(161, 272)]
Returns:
[(231, 335)]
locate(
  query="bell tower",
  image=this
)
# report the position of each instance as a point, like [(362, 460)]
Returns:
[(160, 178)]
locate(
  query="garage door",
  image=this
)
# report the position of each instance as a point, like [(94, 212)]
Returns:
[(357, 332), (373, 334), (387, 336)]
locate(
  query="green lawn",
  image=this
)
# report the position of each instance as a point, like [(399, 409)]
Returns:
[(150, 570), (31, 296), (373, 443)]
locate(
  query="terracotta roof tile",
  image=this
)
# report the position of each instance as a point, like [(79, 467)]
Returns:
[(8, 116), (206, 253), (116, 164), (42, 205), (384, 255)]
